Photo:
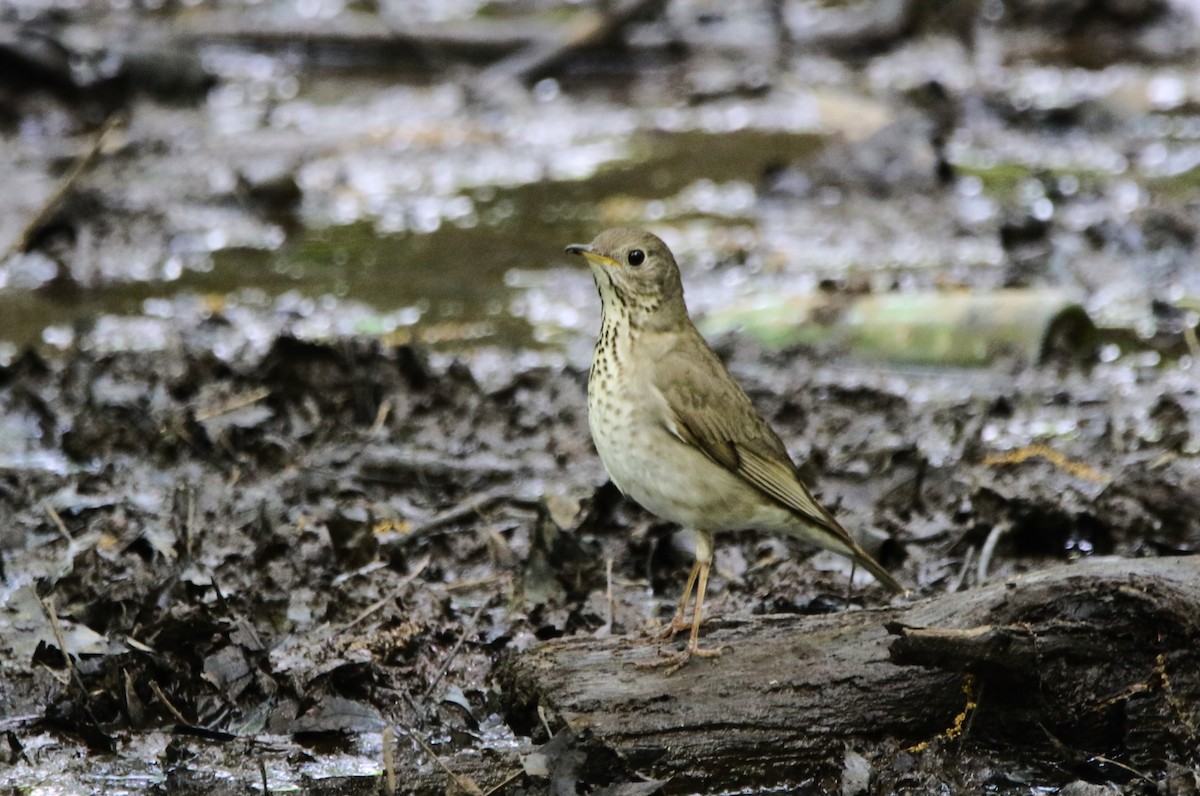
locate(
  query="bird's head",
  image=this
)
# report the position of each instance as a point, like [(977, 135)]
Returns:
[(637, 277)]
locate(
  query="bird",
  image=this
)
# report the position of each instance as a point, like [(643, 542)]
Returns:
[(676, 432)]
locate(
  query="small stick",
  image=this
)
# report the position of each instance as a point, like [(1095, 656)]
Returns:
[(1060, 460), (466, 785), (58, 523), (1109, 761), (850, 583), (985, 553), (381, 417), (74, 676), (541, 711), (476, 505), (590, 29), (608, 593), (233, 404), (158, 692), (375, 606), (77, 170), (503, 782), (389, 761), (190, 526), (437, 678), (60, 640), (956, 583)]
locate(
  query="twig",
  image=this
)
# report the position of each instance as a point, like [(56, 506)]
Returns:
[(158, 692), (375, 606), (248, 398), (413, 706), (389, 760), (960, 577), (610, 597), (381, 416), (189, 528), (985, 553), (437, 678), (503, 782), (77, 170), (9, 723), (530, 62), (475, 506), (541, 711), (466, 784), (60, 640), (62, 678), (1110, 762), (58, 523)]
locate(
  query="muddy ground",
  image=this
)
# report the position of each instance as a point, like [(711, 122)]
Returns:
[(293, 443)]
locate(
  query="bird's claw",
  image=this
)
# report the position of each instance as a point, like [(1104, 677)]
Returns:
[(677, 625), (674, 661)]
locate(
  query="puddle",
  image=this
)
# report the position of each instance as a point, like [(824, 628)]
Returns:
[(448, 285)]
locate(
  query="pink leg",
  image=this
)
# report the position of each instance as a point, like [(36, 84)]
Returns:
[(677, 621), (698, 579), (694, 647)]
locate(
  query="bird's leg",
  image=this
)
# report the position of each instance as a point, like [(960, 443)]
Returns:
[(677, 622), (704, 559), (694, 647), (677, 662), (699, 579)]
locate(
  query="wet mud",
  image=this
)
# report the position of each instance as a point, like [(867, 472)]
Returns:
[(273, 557)]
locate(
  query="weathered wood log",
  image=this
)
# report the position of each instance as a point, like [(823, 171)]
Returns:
[(1087, 671), (950, 328)]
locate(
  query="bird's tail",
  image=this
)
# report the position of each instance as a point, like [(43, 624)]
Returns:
[(827, 532), (867, 562)]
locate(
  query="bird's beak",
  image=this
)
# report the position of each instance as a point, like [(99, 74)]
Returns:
[(590, 254)]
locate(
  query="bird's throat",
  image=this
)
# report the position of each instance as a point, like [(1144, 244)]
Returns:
[(615, 341)]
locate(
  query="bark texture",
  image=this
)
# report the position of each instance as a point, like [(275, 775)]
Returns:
[(1088, 671)]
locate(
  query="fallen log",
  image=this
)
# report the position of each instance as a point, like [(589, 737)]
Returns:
[(1089, 671)]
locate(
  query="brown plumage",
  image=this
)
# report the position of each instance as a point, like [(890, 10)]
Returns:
[(675, 432)]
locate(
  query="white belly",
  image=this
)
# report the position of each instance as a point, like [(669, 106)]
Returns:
[(672, 479)]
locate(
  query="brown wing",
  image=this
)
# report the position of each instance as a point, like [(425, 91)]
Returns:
[(711, 412)]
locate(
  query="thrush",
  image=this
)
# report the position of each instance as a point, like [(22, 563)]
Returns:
[(677, 434)]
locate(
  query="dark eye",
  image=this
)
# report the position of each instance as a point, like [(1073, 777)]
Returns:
[(636, 257)]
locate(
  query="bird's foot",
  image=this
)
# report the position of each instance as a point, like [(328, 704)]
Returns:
[(674, 661), (677, 625), (701, 652), (665, 633)]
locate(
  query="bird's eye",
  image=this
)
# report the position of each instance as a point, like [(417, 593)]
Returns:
[(636, 257)]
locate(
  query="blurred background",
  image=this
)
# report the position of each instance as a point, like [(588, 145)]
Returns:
[(1022, 172)]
